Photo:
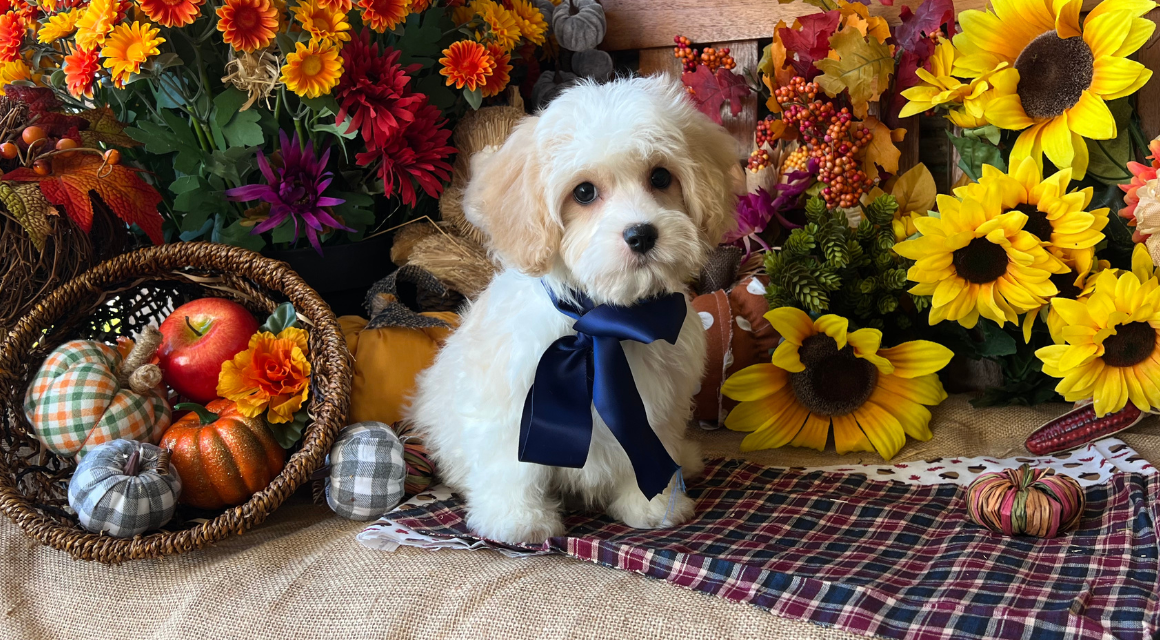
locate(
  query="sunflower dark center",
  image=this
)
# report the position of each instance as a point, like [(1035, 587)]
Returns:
[(1131, 345), (1065, 283), (980, 262), (1037, 222), (1053, 74), (835, 381)]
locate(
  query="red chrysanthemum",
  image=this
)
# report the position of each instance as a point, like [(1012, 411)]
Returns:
[(248, 25), (375, 91), (384, 15), (501, 74), (11, 36), (418, 152), (172, 13), (80, 71)]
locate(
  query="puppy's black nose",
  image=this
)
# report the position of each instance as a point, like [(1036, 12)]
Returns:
[(641, 238)]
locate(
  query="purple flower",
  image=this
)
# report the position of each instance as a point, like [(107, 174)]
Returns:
[(294, 190), (756, 210)]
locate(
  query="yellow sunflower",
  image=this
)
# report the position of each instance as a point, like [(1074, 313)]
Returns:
[(1110, 351), (325, 24), (501, 25), (938, 86), (313, 69), (1060, 72), (127, 47), (58, 26), (823, 375), (976, 259)]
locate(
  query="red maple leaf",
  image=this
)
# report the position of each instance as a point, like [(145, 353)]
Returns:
[(811, 42), (710, 91), (930, 18), (38, 99), (75, 175)]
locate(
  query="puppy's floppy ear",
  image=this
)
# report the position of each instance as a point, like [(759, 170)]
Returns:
[(505, 198), (716, 179)]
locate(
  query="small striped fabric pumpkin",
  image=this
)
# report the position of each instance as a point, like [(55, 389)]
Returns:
[(366, 471), (81, 398), (1026, 501), (124, 488)]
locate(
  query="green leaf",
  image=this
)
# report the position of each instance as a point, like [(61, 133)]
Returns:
[(184, 184), (237, 235), (974, 153), (474, 98), (284, 233), (437, 91), (322, 104), (990, 132), (338, 130), (289, 433), (227, 104), (284, 316), (243, 130), (996, 342)]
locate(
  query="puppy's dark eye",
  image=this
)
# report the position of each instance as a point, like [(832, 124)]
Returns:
[(584, 193), (660, 178)]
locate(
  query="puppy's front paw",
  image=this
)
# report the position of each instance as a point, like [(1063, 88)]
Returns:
[(528, 526), (664, 510)]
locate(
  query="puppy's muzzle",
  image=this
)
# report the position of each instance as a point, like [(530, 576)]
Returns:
[(641, 238)]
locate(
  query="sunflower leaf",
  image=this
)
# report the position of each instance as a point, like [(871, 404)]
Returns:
[(284, 316), (976, 152), (289, 433)]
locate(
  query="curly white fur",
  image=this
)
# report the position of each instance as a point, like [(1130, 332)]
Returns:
[(469, 403)]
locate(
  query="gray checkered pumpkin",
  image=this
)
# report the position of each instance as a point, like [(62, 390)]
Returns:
[(120, 489), (366, 471)]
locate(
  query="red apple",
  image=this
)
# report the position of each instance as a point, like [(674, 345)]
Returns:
[(196, 339)]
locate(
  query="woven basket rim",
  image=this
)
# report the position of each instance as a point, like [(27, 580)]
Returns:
[(330, 390)]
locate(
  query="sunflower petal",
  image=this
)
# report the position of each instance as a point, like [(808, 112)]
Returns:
[(917, 358), (1006, 112), (786, 357), (814, 434), (848, 437), (1112, 74), (834, 326), (882, 429), (1138, 34), (1067, 17), (923, 389), (1057, 141), (1106, 32), (755, 382), (791, 323), (1091, 118)]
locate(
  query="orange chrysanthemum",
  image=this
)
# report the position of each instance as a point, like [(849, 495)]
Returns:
[(466, 63), (272, 375), (172, 13), (342, 6), (11, 37), (419, 6), (501, 74), (248, 25), (127, 47), (313, 69), (80, 71), (384, 15), (94, 25), (323, 23)]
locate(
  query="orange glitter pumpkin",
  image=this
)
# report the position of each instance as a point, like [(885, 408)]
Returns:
[(222, 456)]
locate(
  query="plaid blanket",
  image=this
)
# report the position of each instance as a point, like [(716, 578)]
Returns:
[(896, 559)]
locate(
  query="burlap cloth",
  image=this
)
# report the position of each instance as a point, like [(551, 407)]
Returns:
[(303, 575)]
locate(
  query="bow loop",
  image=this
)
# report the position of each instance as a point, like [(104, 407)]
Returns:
[(590, 369)]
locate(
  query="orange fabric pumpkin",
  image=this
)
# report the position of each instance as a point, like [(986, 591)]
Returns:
[(222, 456)]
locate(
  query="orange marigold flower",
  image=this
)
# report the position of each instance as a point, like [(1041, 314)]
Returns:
[(127, 47), (172, 13), (323, 23), (272, 375), (313, 69), (343, 6), (80, 71), (466, 63), (248, 25), (95, 23), (11, 37), (384, 15), (501, 75)]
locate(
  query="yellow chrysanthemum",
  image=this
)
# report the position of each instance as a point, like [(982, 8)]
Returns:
[(976, 259), (1110, 351), (1059, 72), (530, 20), (822, 375), (313, 69), (500, 25), (325, 24), (13, 71), (95, 23), (127, 47), (58, 26), (938, 86)]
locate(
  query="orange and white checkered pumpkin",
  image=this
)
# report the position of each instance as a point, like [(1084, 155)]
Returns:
[(85, 395)]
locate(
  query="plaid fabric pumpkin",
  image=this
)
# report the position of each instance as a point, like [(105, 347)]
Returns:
[(366, 471), (109, 501), (76, 402)]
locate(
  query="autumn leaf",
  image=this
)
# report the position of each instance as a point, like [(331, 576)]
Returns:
[(881, 152), (104, 127), (809, 40), (710, 91), (930, 18), (38, 99), (863, 68), (29, 207), (856, 15), (74, 176), (915, 190)]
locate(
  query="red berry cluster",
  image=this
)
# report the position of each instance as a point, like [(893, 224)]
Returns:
[(832, 136), (758, 160), (691, 58), (765, 133)]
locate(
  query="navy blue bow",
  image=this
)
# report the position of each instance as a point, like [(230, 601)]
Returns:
[(590, 369)]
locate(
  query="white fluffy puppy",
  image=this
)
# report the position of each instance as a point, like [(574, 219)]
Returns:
[(617, 191)]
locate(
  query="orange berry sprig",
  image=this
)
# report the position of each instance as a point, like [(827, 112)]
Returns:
[(832, 136), (758, 159), (710, 57)]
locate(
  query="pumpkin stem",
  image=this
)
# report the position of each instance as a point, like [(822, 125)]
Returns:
[(133, 464), (205, 415), (572, 8), (143, 349)]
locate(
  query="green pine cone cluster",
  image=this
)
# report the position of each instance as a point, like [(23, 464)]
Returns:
[(827, 266)]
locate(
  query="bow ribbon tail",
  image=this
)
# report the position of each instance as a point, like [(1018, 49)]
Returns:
[(619, 403), (556, 427)]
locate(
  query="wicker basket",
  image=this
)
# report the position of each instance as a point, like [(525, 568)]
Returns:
[(118, 297)]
